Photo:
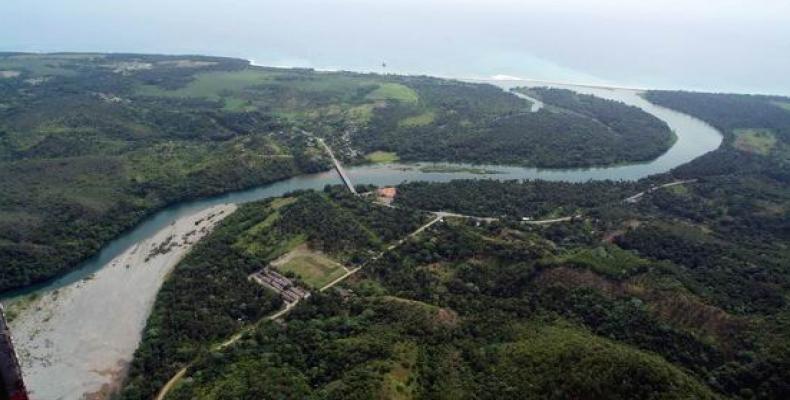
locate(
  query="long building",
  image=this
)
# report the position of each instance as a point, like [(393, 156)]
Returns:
[(286, 288)]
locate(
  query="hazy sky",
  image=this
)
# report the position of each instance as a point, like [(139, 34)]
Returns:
[(715, 45)]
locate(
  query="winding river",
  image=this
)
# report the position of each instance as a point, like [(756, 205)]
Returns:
[(694, 138)]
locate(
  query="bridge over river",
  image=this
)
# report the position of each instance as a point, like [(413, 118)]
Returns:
[(338, 167)]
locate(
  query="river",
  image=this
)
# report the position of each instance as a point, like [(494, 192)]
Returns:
[(694, 138)]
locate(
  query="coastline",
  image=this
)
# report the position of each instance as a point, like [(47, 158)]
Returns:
[(85, 334)]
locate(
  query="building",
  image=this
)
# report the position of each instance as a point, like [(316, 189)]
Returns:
[(285, 287), (386, 194)]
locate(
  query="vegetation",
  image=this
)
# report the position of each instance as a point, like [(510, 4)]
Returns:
[(755, 141), (92, 143), (460, 311), (646, 132), (310, 266), (514, 199), (679, 295), (213, 279), (457, 169), (483, 124), (382, 157)]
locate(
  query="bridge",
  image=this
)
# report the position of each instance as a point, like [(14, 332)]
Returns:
[(338, 167)]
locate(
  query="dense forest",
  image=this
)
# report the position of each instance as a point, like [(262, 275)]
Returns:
[(681, 294), (92, 143), (514, 199), (209, 297), (484, 125)]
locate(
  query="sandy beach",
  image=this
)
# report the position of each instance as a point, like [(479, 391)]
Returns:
[(85, 334)]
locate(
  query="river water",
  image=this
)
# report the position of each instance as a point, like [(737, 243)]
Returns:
[(694, 138), (100, 296)]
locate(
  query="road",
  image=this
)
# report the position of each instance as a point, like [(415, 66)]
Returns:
[(443, 214), (553, 220), (638, 196), (439, 216), (289, 306), (233, 339), (338, 167)]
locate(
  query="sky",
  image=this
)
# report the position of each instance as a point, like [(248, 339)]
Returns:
[(711, 45)]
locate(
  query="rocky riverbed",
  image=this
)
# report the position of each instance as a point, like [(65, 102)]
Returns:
[(86, 333)]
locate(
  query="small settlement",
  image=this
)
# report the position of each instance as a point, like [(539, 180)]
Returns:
[(287, 289)]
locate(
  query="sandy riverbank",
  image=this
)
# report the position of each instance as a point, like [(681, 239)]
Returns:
[(76, 342)]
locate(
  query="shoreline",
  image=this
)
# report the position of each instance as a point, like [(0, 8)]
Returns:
[(85, 334)]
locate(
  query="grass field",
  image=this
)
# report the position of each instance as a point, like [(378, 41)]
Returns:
[(361, 114), (399, 382), (382, 157), (44, 64), (423, 119), (394, 91), (313, 267), (606, 260), (225, 86), (213, 84), (782, 104), (680, 190), (757, 141)]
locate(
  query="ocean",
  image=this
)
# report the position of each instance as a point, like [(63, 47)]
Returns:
[(721, 45)]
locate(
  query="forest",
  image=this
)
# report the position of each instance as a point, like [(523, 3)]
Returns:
[(682, 294), (90, 144), (209, 297), (486, 125)]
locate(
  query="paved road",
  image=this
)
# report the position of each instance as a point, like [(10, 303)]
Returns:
[(553, 220), (638, 196), (289, 306), (338, 167), (439, 216)]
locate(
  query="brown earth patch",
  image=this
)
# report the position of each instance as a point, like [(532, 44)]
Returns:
[(681, 310)]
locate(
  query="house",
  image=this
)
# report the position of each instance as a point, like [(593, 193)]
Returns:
[(386, 194)]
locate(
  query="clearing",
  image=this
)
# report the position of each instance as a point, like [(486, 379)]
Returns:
[(312, 266), (782, 104), (423, 119), (608, 260), (217, 86), (378, 157), (756, 141), (394, 91)]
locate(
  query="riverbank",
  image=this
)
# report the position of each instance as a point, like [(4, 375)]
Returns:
[(86, 333), (77, 338)]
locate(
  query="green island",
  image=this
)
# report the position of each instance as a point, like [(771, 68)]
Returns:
[(457, 169)]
